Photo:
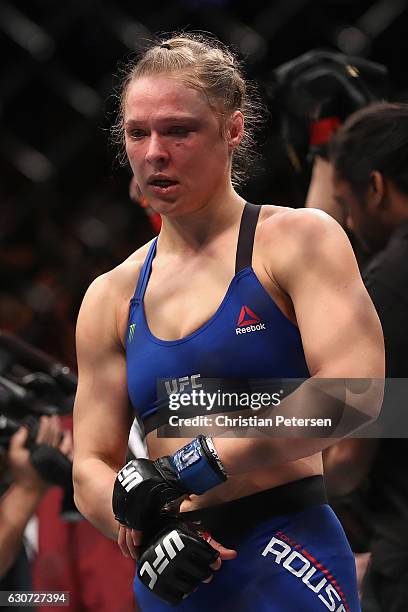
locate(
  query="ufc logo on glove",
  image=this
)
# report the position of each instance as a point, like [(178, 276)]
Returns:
[(129, 477), (161, 560)]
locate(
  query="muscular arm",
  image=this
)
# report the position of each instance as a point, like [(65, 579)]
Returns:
[(340, 331), (102, 416), (347, 464)]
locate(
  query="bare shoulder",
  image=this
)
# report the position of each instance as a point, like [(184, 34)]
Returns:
[(304, 241), (106, 300), (302, 224), (121, 279)]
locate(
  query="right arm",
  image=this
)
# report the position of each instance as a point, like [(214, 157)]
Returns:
[(102, 415), (347, 464)]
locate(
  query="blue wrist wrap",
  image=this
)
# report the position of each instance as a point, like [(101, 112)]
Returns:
[(198, 466)]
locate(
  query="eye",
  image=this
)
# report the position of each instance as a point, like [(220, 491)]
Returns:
[(179, 130), (137, 134)]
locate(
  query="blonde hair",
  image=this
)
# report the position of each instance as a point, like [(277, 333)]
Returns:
[(205, 64)]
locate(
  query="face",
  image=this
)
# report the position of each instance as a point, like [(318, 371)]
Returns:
[(364, 222), (174, 144)]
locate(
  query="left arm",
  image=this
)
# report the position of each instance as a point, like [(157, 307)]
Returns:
[(340, 330)]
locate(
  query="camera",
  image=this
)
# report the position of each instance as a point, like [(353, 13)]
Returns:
[(33, 384)]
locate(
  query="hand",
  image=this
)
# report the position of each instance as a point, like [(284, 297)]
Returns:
[(49, 434), (142, 489), (177, 559), (145, 489), (130, 541)]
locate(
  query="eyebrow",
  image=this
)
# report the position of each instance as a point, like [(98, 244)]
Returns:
[(169, 119)]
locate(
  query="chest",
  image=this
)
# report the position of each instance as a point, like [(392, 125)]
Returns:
[(247, 337), (180, 300)]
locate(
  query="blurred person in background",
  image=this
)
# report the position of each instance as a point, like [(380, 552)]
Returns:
[(366, 177), (40, 305), (21, 498)]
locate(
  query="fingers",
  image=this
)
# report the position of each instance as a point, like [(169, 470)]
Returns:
[(137, 537), (129, 541), (226, 554), (122, 541), (18, 439), (49, 431), (66, 445)]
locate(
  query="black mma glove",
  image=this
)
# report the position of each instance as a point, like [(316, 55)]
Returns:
[(175, 560), (315, 92), (144, 488)]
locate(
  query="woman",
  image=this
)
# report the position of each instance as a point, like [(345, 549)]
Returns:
[(215, 267)]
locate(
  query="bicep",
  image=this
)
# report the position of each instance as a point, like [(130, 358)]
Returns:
[(102, 415), (339, 326)]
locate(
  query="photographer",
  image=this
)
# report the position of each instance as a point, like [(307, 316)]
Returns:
[(27, 488)]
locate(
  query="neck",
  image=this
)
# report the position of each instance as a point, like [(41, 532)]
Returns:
[(196, 229)]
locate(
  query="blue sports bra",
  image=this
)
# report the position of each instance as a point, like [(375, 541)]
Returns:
[(248, 337)]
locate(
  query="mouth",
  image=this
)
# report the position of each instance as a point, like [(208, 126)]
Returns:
[(163, 186)]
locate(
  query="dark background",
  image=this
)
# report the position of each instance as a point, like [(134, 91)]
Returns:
[(65, 212)]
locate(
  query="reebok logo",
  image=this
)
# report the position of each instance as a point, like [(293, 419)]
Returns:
[(248, 321)]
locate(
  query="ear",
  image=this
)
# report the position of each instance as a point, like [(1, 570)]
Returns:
[(376, 191), (234, 129)]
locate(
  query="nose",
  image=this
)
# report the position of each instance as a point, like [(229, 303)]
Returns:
[(156, 153)]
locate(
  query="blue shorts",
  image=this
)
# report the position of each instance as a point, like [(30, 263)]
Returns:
[(294, 562)]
